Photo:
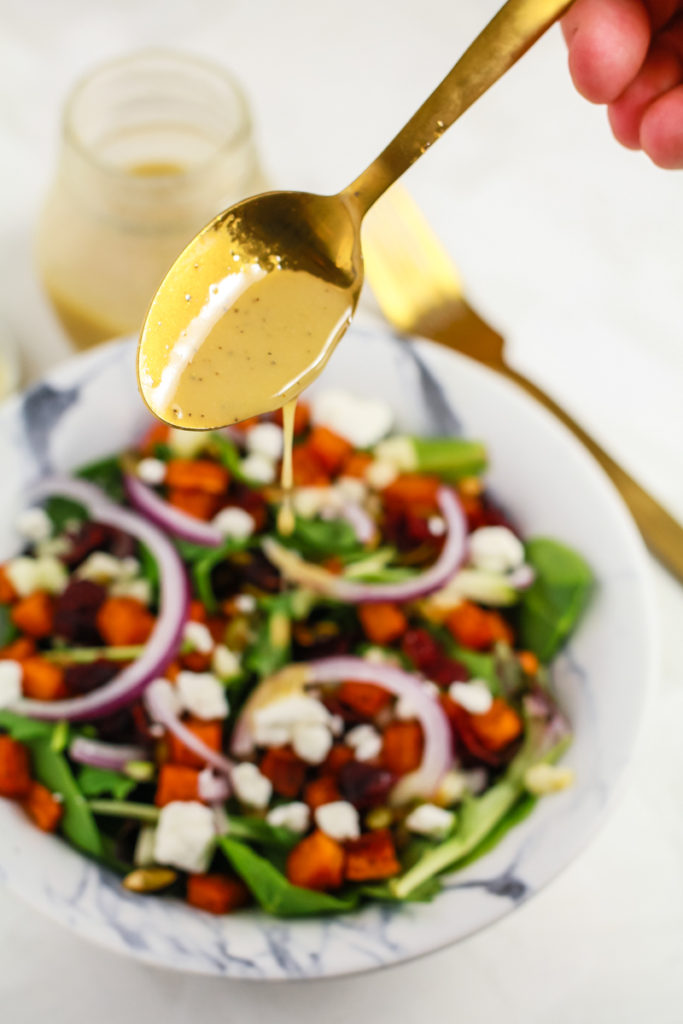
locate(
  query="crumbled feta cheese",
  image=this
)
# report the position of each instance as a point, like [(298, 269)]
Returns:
[(245, 603), (380, 474), (295, 816), (378, 656), (338, 819), (234, 522), (53, 546), (198, 636), (185, 836), (202, 695), (311, 741), (291, 711), (473, 696), (251, 787), (258, 469), (452, 788), (430, 820), (187, 443), (351, 489), (405, 709), (279, 723), (308, 502), (436, 526), (400, 451), (543, 779), (29, 574), (140, 590), (10, 683), (212, 788), (166, 694), (265, 439), (143, 855), (151, 471), (34, 524), (362, 421), (365, 742), (495, 548), (101, 567), (224, 662)]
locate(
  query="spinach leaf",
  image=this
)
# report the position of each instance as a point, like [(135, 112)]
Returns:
[(63, 511), (8, 631), (105, 474), (163, 451), (24, 729), (481, 666), (256, 830), (96, 781), (273, 892), (229, 455), (315, 539), (268, 653), (78, 823), (551, 607)]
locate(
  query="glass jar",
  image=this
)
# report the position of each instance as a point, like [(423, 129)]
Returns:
[(153, 146)]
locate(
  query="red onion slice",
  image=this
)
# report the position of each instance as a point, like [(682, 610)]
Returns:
[(316, 578), (170, 519), (174, 597), (104, 755), (162, 703)]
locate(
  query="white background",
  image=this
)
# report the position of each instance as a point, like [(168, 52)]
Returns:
[(571, 247)]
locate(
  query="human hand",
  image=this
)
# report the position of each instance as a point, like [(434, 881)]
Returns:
[(628, 54)]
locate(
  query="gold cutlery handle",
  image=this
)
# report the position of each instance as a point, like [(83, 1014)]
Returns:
[(660, 531), (507, 37)]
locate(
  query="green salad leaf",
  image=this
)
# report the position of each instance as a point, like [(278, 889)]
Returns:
[(203, 561), (94, 781), (149, 569), (256, 830), (551, 607), (316, 539), (273, 892), (24, 729), (63, 511), (105, 474), (8, 631), (78, 824)]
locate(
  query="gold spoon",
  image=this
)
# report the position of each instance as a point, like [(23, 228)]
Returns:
[(252, 309)]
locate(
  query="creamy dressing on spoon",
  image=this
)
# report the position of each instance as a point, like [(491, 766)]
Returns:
[(234, 333)]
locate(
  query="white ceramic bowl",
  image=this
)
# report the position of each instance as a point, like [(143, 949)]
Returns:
[(90, 407)]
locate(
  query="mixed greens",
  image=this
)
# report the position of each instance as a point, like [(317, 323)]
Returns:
[(231, 713)]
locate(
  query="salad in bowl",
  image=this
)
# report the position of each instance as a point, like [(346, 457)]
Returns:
[(306, 721)]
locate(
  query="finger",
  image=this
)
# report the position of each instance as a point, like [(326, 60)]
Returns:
[(608, 41), (661, 71), (661, 130)]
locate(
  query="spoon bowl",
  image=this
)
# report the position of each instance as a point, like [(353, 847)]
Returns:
[(252, 309)]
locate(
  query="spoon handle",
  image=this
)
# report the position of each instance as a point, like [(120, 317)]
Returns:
[(506, 38)]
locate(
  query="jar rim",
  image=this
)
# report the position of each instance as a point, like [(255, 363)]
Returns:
[(236, 134)]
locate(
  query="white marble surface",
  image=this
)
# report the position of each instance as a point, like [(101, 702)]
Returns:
[(568, 244)]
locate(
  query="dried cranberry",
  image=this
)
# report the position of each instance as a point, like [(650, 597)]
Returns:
[(118, 727), (261, 573), (84, 678), (420, 646), (447, 670), (87, 538), (365, 786), (76, 612), (121, 545)]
